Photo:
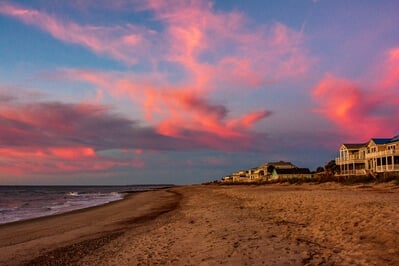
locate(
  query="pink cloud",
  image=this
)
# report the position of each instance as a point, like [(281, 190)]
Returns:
[(219, 49), (49, 160), (248, 120), (53, 137), (45, 138), (115, 41), (213, 52), (73, 153), (210, 45), (391, 75), (176, 111), (363, 111)]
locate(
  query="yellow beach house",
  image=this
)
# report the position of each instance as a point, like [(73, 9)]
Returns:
[(378, 155)]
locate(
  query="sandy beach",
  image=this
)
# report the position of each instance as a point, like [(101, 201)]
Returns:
[(326, 224)]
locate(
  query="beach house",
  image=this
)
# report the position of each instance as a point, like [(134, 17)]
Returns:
[(268, 171), (378, 155)]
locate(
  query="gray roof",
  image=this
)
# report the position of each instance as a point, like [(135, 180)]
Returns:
[(293, 171), (355, 145), (280, 163)]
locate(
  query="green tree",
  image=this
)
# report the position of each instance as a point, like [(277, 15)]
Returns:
[(331, 167), (270, 169)]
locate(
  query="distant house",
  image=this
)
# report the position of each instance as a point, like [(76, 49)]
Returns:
[(287, 173), (378, 155), (265, 171), (227, 178), (241, 176), (268, 171), (259, 174)]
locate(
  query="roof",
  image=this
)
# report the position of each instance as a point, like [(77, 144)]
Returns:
[(378, 141), (394, 139), (354, 145), (381, 141), (293, 171), (280, 163)]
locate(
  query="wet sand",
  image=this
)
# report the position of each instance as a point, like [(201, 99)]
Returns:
[(327, 224), (67, 238)]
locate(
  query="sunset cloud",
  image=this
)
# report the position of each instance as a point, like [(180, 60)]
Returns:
[(51, 137), (360, 109), (214, 52), (29, 160), (45, 137), (117, 42), (391, 70), (209, 45), (55, 124), (175, 111)]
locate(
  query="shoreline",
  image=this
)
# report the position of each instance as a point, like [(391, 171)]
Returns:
[(122, 195), (279, 224), (43, 236)]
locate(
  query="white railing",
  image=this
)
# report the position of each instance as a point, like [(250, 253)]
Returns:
[(377, 169), (360, 158), (382, 154), (353, 172), (350, 159), (387, 168)]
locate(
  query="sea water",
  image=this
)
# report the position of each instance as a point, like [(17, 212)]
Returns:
[(27, 202)]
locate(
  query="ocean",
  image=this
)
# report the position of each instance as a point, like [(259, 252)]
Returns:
[(26, 202)]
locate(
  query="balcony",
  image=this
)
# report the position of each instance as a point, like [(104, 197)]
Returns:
[(387, 168), (350, 159), (379, 154)]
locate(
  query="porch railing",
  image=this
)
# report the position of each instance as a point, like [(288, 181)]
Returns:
[(387, 168), (353, 172), (382, 154), (350, 159)]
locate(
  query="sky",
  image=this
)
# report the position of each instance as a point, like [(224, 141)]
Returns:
[(156, 91)]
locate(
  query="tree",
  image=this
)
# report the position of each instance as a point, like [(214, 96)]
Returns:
[(270, 169), (320, 169), (331, 167)]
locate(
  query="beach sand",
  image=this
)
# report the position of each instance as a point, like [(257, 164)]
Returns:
[(326, 224)]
